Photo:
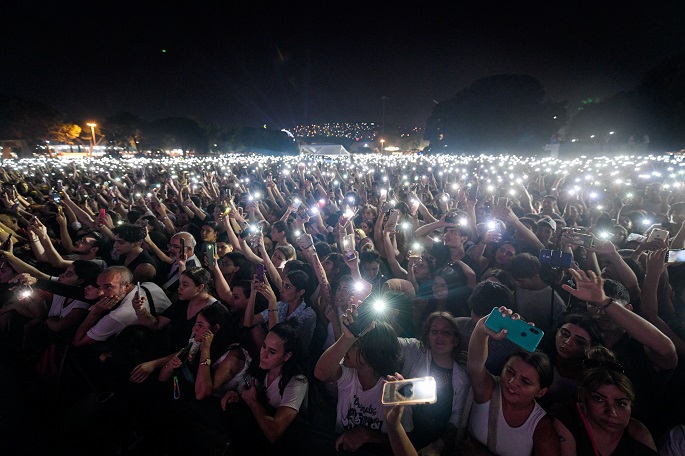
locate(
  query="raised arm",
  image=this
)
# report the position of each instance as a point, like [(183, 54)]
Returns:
[(659, 348)]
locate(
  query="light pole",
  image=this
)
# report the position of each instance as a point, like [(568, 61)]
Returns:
[(92, 143), (382, 146)]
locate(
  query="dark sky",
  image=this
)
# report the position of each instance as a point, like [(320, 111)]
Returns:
[(297, 64)]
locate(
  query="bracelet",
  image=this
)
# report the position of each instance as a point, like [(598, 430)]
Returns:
[(602, 310)]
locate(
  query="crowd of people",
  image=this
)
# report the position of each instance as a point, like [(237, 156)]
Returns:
[(219, 305)]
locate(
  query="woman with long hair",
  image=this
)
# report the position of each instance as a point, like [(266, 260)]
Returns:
[(273, 398), (367, 361), (518, 424), (575, 333), (600, 422), (435, 354), (195, 292), (294, 304)]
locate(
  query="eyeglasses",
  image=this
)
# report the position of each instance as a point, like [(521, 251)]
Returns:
[(590, 363)]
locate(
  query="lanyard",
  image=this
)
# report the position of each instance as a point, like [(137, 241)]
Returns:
[(587, 428)]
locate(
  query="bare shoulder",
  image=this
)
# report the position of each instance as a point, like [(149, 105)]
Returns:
[(639, 432)]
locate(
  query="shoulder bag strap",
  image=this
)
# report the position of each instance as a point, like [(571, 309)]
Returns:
[(151, 303), (493, 415)]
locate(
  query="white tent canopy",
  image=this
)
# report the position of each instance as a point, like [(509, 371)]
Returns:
[(324, 149)]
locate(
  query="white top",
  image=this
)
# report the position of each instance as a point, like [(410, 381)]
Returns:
[(124, 315), (59, 309), (357, 407), (417, 363), (511, 441), (294, 394)]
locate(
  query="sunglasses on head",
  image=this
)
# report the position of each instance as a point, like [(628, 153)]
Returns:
[(589, 363)]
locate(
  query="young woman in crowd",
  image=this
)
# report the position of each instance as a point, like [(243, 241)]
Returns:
[(195, 292), (367, 360), (599, 422), (294, 304), (435, 354), (576, 332), (262, 416), (505, 416)]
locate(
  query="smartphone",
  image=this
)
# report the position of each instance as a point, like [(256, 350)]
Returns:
[(675, 256), (260, 272), (348, 246), (183, 246), (59, 186), (583, 240), (6, 245), (210, 253), (248, 381), (185, 352), (306, 246), (115, 200), (56, 198), (518, 331), (393, 216), (138, 291), (103, 212), (555, 258), (296, 203), (636, 237), (416, 249), (412, 391), (473, 193), (367, 313), (658, 234)]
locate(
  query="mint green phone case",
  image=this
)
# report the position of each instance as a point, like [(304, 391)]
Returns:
[(518, 331)]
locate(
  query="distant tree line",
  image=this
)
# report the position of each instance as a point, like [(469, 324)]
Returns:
[(501, 113), (507, 113)]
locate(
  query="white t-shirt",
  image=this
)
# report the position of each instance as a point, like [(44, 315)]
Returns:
[(61, 306), (294, 394), (357, 407), (124, 315)]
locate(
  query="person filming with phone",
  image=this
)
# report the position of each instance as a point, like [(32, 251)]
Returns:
[(505, 416)]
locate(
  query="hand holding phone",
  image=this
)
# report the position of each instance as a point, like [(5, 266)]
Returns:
[(411, 391), (182, 251), (521, 333), (366, 314), (348, 246)]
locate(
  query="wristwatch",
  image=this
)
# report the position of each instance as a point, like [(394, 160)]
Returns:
[(208, 362)]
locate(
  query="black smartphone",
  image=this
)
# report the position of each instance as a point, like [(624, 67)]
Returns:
[(260, 272), (56, 198), (473, 193), (182, 242), (185, 352), (367, 313), (6, 245)]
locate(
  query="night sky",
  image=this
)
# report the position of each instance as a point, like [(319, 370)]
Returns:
[(293, 64)]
